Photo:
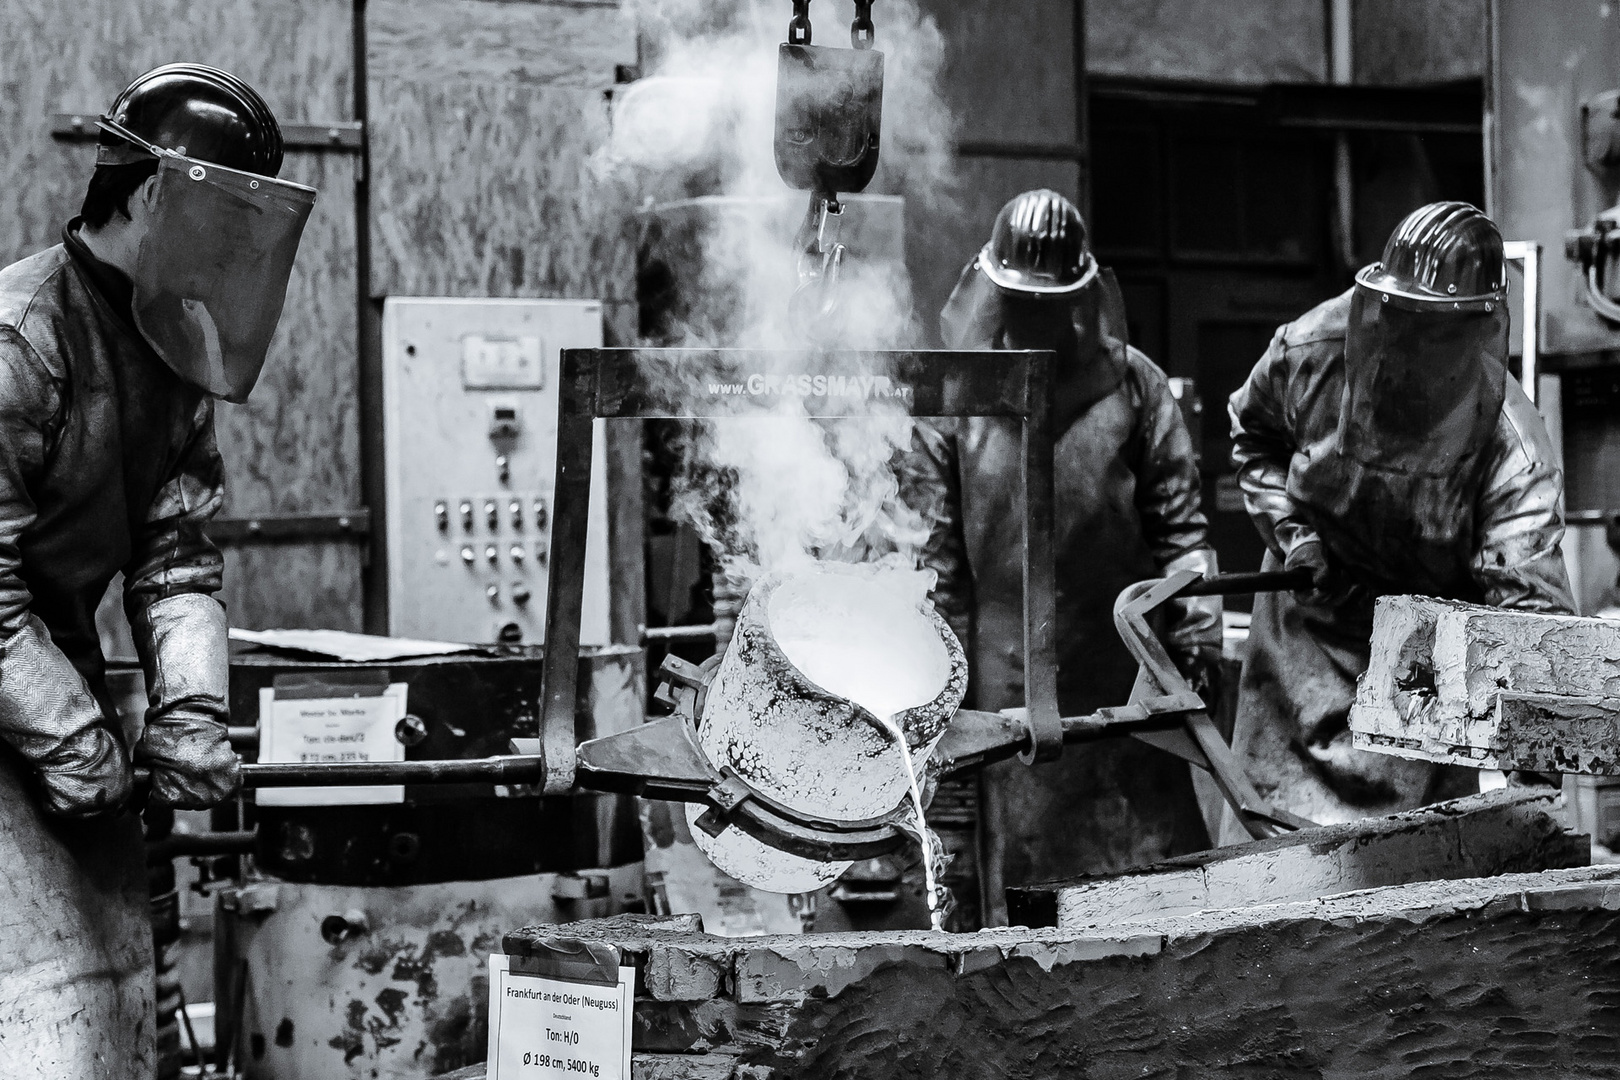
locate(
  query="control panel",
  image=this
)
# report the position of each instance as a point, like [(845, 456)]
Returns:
[(470, 428)]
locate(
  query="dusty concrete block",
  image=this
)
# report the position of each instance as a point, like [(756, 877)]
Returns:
[(1490, 688), (678, 974), (1507, 831), (790, 969), (1473, 977)]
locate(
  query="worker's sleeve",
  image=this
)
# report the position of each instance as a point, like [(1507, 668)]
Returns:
[(181, 632), (47, 712), (930, 486), (1520, 563), (1263, 446), (1169, 502)]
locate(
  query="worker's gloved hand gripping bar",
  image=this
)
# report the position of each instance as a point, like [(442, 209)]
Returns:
[(182, 641), (50, 717)]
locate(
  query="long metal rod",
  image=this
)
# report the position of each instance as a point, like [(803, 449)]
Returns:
[(512, 769), (1261, 581)]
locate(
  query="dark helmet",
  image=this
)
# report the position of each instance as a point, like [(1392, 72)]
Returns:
[(199, 111), (1446, 256), (1039, 245)]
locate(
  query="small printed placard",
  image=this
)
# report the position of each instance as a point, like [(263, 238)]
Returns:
[(358, 727), (544, 1027)]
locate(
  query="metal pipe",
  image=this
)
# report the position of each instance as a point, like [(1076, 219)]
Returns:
[(243, 737), (1263, 581), (181, 845), (699, 632), (510, 769)]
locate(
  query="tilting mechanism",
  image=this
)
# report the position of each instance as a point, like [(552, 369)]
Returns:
[(663, 760)]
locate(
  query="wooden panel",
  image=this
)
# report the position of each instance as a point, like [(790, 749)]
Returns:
[(1009, 71), (269, 586), (482, 191), (483, 116), (1230, 41), (479, 41), (294, 445), (295, 52)]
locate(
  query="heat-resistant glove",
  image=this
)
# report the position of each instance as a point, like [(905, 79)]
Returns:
[(183, 645), (50, 717), (1329, 586)]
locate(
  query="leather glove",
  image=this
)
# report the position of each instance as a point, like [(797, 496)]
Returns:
[(49, 716), (183, 642), (1329, 586)]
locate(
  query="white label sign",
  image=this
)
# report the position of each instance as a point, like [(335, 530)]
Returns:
[(331, 729), (557, 1029)]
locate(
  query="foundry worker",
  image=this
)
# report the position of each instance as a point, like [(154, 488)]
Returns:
[(114, 344), (1382, 445), (1127, 509)]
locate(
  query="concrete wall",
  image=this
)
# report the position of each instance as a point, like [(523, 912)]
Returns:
[(1253, 42)]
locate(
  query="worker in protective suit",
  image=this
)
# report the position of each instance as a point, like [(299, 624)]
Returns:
[(1127, 509), (162, 296), (1382, 446)]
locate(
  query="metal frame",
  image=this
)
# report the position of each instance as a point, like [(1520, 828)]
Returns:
[(651, 384), (1528, 252), (1163, 711)]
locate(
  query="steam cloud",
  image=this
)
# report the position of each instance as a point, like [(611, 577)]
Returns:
[(693, 144)]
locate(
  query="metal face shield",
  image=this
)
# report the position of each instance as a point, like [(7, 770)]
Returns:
[(982, 315), (211, 274), (1423, 388)]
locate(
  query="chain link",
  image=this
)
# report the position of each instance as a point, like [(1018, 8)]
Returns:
[(861, 32), (799, 25)]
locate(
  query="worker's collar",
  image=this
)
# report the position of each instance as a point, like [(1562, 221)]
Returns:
[(111, 283)]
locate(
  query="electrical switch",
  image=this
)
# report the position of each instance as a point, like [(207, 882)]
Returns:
[(517, 554), (467, 555), (520, 593), (491, 515), (493, 592), (491, 554), (516, 510), (466, 515), (503, 468), (539, 513), (441, 514)]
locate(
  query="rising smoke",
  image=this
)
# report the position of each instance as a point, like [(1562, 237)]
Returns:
[(692, 147)]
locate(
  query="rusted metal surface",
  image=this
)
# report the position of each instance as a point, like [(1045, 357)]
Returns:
[(353, 983)]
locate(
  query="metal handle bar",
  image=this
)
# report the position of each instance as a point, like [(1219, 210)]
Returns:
[(510, 769), (1261, 581)]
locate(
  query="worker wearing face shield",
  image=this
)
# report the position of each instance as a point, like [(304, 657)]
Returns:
[(1382, 446), (162, 296), (1127, 509)]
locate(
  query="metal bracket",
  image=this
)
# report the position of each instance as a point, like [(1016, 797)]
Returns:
[(291, 528), (343, 136)]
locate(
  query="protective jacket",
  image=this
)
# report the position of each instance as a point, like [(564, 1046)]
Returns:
[(1127, 509), (1485, 528), (107, 464)]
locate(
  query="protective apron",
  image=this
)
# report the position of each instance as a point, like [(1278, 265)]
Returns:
[(1127, 508), (107, 464), (1398, 439)]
